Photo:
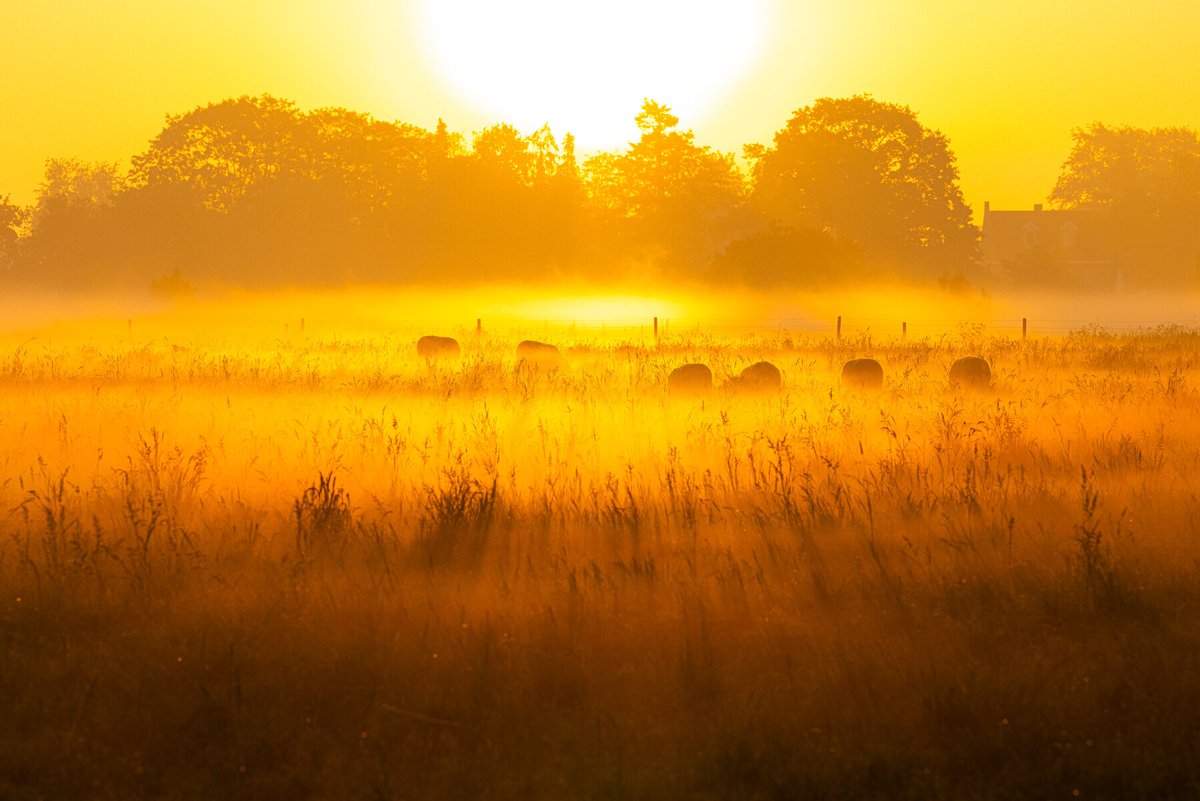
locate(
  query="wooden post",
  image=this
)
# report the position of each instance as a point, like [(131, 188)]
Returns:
[(655, 330), (904, 330), (839, 327), (1024, 328), (478, 327), (301, 325), (129, 324)]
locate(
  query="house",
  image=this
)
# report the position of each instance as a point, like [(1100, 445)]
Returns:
[(1066, 247)]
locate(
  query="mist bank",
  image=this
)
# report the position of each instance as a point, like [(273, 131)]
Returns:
[(578, 310)]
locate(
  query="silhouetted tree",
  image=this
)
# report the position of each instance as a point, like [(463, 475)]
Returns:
[(369, 163), (501, 209), (314, 197), (568, 167), (868, 172), (669, 197), (80, 186), (154, 231), (223, 149), (781, 255), (475, 210), (545, 154), (334, 217), (1146, 185), (447, 144), (12, 222), (253, 191), (504, 152), (70, 239)]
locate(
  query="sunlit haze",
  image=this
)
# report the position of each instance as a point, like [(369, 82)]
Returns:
[(585, 68), (639, 399), (1006, 82)]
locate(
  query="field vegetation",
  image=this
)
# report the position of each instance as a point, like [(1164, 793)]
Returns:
[(247, 562)]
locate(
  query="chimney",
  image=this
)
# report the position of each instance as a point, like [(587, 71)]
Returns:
[(1037, 206), (987, 206)]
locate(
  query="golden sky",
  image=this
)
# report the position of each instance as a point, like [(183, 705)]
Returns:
[(1006, 82)]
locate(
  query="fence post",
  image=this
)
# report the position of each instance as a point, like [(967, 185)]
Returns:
[(478, 327), (655, 330), (1024, 327), (904, 330), (839, 327)]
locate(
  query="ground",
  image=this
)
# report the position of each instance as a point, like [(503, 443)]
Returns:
[(308, 564)]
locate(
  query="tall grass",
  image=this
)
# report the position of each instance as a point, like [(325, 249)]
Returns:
[(320, 567)]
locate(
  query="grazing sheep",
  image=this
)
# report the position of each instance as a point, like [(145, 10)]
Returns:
[(538, 355), (431, 347), (971, 372), (862, 374), (690, 379), (759, 377)]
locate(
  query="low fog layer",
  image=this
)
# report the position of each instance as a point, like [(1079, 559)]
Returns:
[(603, 313)]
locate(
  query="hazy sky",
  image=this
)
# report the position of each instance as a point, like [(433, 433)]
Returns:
[(1006, 82)]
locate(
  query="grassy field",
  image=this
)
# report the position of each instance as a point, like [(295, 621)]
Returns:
[(307, 564)]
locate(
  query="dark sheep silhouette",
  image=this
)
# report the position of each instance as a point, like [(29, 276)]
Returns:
[(538, 355), (690, 379), (862, 374), (971, 372), (759, 377), (431, 347)]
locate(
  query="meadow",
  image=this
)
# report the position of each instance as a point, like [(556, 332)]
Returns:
[(249, 562)]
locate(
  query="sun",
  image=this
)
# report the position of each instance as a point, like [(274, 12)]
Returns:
[(585, 67)]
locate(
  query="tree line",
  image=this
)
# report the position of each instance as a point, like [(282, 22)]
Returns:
[(254, 191)]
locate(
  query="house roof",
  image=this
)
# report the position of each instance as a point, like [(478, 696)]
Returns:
[(1064, 235)]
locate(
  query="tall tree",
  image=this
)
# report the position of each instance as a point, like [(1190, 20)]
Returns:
[(12, 222), (568, 166), (373, 164), (70, 238), (668, 196), (223, 149), (545, 154), (871, 173), (1145, 183), (502, 150), (447, 144), (78, 186)]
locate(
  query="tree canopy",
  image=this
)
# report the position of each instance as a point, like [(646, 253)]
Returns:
[(1116, 167), (665, 194), (1146, 185), (12, 220), (223, 150), (869, 173), (253, 190)]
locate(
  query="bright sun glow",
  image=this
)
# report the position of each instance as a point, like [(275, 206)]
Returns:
[(588, 310), (585, 67)]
